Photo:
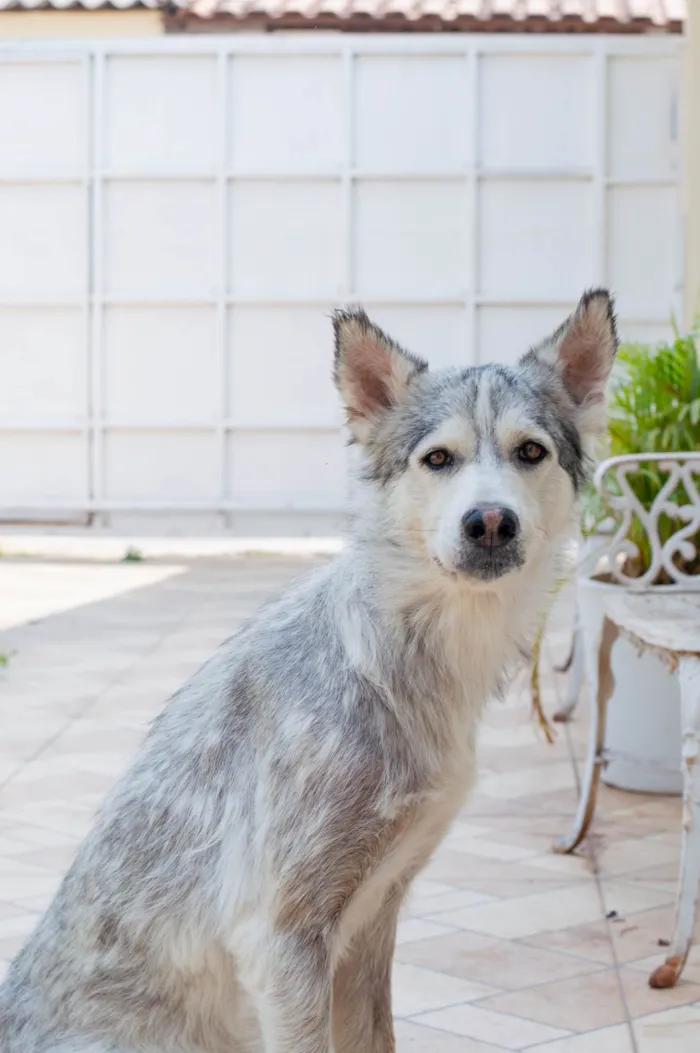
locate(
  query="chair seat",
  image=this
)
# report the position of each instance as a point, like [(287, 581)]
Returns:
[(668, 621)]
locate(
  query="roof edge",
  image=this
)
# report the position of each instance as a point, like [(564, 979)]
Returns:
[(181, 20)]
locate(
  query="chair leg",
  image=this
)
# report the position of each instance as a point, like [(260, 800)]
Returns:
[(667, 975), (575, 680), (601, 688)]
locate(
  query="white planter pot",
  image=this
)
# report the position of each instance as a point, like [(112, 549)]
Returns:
[(643, 725)]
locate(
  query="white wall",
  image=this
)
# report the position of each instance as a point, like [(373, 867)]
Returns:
[(179, 216)]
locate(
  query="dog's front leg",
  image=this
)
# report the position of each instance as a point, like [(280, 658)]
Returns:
[(295, 1008), (362, 1017)]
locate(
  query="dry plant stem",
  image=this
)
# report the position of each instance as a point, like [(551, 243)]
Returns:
[(536, 694)]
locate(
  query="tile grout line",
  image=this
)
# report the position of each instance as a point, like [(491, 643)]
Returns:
[(419, 1018), (52, 739), (595, 874), (617, 964), (544, 1045)]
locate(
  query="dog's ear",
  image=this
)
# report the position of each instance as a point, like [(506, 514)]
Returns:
[(371, 372), (581, 352)]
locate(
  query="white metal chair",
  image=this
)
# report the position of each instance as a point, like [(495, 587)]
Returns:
[(659, 611)]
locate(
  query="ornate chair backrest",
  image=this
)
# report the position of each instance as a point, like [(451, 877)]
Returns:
[(682, 471)]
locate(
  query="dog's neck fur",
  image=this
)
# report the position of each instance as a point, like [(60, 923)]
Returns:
[(413, 629)]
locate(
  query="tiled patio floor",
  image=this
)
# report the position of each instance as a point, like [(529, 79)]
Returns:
[(504, 945)]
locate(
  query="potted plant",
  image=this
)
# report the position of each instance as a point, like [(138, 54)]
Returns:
[(653, 409)]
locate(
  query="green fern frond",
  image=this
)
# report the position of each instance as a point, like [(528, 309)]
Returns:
[(653, 407)]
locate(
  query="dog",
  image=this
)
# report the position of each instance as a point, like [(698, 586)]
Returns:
[(241, 887)]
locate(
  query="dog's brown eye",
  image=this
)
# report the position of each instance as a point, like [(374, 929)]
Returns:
[(438, 459), (531, 452)]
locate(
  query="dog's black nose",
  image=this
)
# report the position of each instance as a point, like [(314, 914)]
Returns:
[(489, 526)]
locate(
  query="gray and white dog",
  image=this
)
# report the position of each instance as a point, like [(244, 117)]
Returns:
[(240, 889)]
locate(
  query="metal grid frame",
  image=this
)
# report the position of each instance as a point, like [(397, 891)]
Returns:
[(92, 56)]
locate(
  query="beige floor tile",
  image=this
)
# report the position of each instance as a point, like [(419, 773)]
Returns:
[(592, 942), (56, 859), (505, 887), (484, 1025), (562, 802), (608, 1040), (8, 768), (528, 781), (629, 897), (433, 953), (630, 856), (571, 866), (611, 827), (579, 1004), (691, 972), (490, 876), (15, 866), (670, 836), (453, 899), (461, 828), (14, 933), (619, 803), (530, 915), (35, 904), (641, 999), (9, 910), (46, 767), (536, 831), (17, 927), (489, 849), (17, 888), (495, 761), (41, 589), (483, 809), (413, 1038), (667, 885), (61, 817), (33, 728), (40, 836), (106, 763), (673, 1031), (501, 963), (81, 739), (13, 846), (412, 930), (424, 887), (417, 990), (10, 946), (53, 788), (638, 935), (522, 734)]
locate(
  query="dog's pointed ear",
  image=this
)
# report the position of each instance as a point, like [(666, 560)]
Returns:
[(371, 372), (581, 352)]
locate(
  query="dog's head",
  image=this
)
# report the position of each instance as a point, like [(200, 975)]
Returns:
[(478, 469)]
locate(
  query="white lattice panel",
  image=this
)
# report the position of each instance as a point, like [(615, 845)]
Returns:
[(180, 216)]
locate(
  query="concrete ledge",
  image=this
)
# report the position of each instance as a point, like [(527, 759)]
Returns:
[(112, 548)]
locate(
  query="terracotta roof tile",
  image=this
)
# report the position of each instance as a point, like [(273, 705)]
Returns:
[(83, 5), (610, 14), (543, 15)]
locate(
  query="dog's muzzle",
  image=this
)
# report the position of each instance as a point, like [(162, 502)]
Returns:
[(490, 542), (489, 526)]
